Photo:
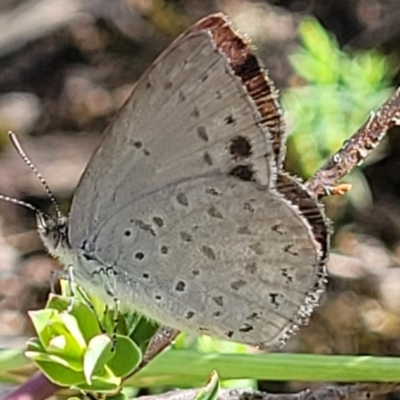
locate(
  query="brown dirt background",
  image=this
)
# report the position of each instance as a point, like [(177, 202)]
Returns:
[(67, 65)]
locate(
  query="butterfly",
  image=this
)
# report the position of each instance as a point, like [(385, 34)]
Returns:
[(185, 213)]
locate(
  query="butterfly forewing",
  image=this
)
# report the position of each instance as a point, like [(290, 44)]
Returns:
[(188, 116)]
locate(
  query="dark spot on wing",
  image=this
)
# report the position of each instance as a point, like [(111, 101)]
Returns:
[(139, 255), (285, 274), (278, 229), (182, 199), (236, 285), (248, 207), (186, 236), (164, 249), (253, 316), (143, 226), (219, 300), (212, 192), (195, 113), (158, 221), (207, 158), (180, 286), (189, 315), (274, 299), (202, 133), (208, 252), (243, 172), (213, 212), (246, 328), (229, 120), (289, 248), (240, 147), (251, 268)]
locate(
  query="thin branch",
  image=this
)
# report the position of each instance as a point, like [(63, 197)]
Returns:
[(356, 149), (357, 391), (160, 341)]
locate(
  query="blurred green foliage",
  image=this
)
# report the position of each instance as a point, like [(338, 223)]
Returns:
[(335, 92)]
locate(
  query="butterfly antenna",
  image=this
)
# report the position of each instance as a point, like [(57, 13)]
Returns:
[(29, 163), (19, 202)]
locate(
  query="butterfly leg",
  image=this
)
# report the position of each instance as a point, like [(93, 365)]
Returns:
[(116, 316), (70, 278)]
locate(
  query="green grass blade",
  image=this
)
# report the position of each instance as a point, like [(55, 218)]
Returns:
[(188, 368)]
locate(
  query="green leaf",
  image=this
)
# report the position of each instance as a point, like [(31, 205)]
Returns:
[(98, 353), (59, 303), (188, 368), (60, 374), (12, 359), (106, 382), (72, 325), (144, 330), (86, 317), (318, 42), (319, 59), (71, 363), (210, 391), (40, 320), (63, 341), (126, 358), (34, 344)]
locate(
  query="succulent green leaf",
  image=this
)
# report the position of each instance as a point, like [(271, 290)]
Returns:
[(210, 391), (40, 320), (98, 353), (86, 317), (106, 383), (60, 374), (126, 358)]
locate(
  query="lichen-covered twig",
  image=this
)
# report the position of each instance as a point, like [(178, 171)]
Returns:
[(367, 391), (356, 149)]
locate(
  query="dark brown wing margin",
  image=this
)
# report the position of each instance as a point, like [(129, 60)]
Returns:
[(247, 67)]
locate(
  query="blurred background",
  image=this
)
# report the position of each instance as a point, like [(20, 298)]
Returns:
[(66, 66)]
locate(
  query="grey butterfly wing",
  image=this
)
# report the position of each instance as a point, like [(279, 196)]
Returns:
[(214, 255), (194, 143), (189, 115)]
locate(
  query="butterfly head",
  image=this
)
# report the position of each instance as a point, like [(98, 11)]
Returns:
[(53, 231)]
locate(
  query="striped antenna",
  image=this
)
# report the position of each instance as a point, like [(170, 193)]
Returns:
[(19, 202), (29, 163)]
